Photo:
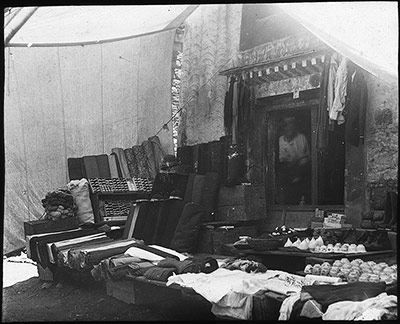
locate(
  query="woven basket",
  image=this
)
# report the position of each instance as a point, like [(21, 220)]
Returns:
[(264, 244)]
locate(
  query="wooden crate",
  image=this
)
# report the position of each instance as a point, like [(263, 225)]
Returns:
[(241, 195), (48, 226), (141, 291), (242, 202)]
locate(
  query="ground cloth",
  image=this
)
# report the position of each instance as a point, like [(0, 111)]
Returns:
[(230, 291)]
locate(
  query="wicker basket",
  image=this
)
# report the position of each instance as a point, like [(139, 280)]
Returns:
[(264, 244)]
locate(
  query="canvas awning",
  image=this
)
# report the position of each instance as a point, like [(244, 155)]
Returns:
[(77, 25), (364, 32)]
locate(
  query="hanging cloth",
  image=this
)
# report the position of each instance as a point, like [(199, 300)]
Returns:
[(356, 107), (330, 92), (326, 89), (235, 112), (228, 108), (340, 93)]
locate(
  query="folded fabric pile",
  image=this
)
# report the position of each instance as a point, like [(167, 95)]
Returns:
[(59, 204), (119, 267), (151, 261), (244, 265)]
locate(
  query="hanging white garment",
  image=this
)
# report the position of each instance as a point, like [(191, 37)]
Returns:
[(340, 93)]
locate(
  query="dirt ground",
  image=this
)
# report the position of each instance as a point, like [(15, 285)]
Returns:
[(34, 300)]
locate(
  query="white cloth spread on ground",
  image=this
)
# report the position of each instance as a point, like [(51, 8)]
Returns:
[(359, 310), (231, 291)]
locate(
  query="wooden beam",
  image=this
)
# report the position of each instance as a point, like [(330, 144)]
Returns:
[(293, 103), (19, 20), (179, 20)]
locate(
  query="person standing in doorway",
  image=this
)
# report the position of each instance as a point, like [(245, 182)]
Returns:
[(294, 165)]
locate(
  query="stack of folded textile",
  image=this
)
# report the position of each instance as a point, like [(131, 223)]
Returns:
[(59, 204), (85, 257)]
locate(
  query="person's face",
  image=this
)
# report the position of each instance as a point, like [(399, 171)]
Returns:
[(289, 130)]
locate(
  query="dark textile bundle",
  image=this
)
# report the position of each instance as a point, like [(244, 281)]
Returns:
[(148, 150), (165, 183), (207, 264), (180, 266), (356, 291), (188, 227), (158, 151), (59, 204), (131, 161), (76, 168), (160, 274), (140, 159), (119, 267), (168, 218)]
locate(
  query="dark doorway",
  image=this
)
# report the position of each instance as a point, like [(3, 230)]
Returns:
[(293, 157)]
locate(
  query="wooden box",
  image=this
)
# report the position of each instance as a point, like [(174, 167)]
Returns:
[(48, 226), (242, 202), (241, 195)]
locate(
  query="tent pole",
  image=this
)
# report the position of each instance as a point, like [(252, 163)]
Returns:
[(19, 20)]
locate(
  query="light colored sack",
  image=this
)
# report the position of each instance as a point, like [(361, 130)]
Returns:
[(80, 191)]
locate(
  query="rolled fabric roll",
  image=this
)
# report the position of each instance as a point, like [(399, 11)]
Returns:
[(121, 159), (311, 279), (160, 274), (185, 266)]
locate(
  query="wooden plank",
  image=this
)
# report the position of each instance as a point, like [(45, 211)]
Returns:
[(131, 221), (293, 103), (121, 290)]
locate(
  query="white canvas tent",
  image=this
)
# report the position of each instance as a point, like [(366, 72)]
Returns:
[(82, 80), (79, 81)]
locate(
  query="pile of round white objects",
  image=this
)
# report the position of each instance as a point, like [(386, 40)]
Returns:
[(318, 246), (355, 270)]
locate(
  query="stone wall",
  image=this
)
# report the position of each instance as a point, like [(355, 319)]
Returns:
[(382, 125)]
